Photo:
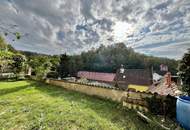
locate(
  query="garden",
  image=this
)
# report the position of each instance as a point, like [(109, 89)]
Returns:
[(34, 105)]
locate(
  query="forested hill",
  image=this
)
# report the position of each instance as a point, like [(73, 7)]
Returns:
[(103, 59), (109, 59), (32, 54)]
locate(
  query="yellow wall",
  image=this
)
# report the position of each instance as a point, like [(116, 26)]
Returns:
[(113, 94), (138, 87)]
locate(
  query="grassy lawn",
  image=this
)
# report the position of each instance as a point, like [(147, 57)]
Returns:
[(32, 106)]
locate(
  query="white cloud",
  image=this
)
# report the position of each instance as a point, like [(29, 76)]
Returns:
[(72, 26)]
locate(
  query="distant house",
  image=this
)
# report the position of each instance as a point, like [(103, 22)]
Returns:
[(157, 77), (167, 86), (138, 77), (97, 76), (163, 67), (123, 78)]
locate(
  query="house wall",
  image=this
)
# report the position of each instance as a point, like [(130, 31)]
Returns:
[(138, 87), (141, 77)]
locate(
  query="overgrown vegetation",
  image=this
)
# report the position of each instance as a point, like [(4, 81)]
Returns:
[(29, 105), (16, 62), (184, 72), (162, 105), (10, 60)]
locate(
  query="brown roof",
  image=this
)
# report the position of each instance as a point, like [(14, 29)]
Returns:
[(134, 76), (98, 76), (163, 89)]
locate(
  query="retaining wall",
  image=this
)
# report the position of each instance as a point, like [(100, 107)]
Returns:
[(114, 94)]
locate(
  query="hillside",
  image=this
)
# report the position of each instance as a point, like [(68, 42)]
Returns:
[(109, 59)]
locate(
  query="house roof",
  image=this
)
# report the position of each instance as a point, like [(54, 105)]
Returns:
[(157, 77), (163, 89), (134, 76), (98, 76)]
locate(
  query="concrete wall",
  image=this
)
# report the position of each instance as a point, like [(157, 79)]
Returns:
[(108, 93), (131, 100), (115, 95)]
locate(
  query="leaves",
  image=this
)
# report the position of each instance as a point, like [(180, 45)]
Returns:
[(17, 34), (41, 65), (5, 33), (184, 71), (3, 44), (110, 58)]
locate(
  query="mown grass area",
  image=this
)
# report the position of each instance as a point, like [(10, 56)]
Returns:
[(32, 105)]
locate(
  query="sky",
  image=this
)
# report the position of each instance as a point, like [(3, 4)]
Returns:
[(153, 27)]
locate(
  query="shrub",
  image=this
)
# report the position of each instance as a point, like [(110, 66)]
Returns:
[(162, 105), (170, 106), (155, 104), (52, 75)]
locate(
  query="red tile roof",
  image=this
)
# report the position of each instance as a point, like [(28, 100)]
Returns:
[(163, 89), (105, 77)]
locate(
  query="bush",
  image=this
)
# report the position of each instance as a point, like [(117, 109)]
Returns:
[(162, 105), (171, 106), (155, 104), (27, 76), (52, 75)]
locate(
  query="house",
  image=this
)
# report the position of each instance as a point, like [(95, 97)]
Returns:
[(156, 77), (163, 67), (139, 79), (133, 78), (167, 86)]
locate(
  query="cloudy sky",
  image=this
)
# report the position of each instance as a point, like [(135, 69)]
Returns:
[(153, 27)]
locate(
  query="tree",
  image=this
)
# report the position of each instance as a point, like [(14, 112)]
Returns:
[(184, 71), (18, 63), (11, 48), (110, 58), (55, 62), (41, 65), (63, 68), (5, 61), (3, 44), (8, 30)]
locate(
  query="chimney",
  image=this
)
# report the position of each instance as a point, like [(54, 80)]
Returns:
[(168, 79)]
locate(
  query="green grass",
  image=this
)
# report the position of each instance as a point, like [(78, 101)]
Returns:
[(32, 106)]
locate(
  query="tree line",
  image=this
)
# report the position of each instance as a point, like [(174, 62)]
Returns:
[(110, 58), (103, 59)]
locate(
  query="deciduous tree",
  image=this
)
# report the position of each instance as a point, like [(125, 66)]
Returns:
[(184, 71)]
